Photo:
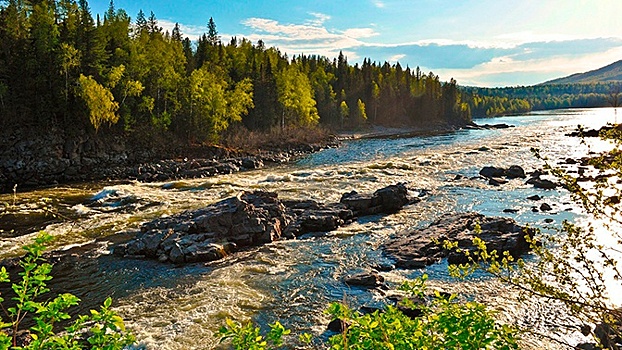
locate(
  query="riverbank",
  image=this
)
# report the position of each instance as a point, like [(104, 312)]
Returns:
[(29, 161), (35, 160)]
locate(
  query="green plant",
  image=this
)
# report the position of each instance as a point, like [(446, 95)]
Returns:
[(248, 336), (102, 329), (443, 323)]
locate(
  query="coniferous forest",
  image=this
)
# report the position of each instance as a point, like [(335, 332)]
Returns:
[(63, 68)]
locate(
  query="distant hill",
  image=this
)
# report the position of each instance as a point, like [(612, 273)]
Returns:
[(607, 74)]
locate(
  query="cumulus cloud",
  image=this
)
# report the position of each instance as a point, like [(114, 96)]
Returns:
[(190, 31), (311, 37)]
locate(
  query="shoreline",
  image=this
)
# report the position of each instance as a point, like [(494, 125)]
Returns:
[(123, 163)]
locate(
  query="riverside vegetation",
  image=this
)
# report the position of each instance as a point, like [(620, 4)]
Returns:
[(102, 329), (100, 84)]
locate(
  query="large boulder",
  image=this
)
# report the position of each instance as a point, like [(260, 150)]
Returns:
[(386, 200), (422, 247), (249, 219)]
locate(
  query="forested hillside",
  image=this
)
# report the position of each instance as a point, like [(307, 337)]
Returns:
[(62, 68), (489, 102), (598, 88), (608, 73)]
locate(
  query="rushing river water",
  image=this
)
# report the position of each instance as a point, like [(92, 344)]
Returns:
[(293, 281)]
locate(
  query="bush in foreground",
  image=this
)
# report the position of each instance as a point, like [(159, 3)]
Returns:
[(442, 323), (102, 329)]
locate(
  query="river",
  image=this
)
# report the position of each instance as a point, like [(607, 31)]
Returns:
[(293, 281)]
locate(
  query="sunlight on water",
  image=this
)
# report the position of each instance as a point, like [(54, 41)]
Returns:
[(180, 308)]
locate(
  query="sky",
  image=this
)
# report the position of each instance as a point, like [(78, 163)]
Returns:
[(486, 43)]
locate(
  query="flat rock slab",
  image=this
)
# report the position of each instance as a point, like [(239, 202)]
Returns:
[(420, 248)]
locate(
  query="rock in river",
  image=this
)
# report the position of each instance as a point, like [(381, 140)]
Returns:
[(417, 249), (251, 219)]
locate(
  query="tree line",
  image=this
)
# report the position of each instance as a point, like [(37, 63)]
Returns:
[(62, 68), (489, 102)]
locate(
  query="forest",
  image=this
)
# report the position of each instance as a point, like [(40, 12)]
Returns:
[(63, 69), (490, 102)]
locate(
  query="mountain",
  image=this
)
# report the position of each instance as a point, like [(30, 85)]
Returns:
[(610, 73)]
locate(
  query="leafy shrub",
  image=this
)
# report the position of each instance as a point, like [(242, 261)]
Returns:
[(102, 329), (443, 323)]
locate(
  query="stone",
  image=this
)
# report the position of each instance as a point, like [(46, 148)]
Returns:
[(534, 198), (515, 172), (336, 325), (387, 200), (417, 248), (542, 183), (365, 279), (491, 172), (176, 255), (496, 181), (545, 207), (252, 163), (249, 219)]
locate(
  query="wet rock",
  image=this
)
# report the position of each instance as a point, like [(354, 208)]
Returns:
[(510, 211), (336, 325), (512, 172), (537, 182), (491, 172), (609, 334), (369, 279), (570, 161), (387, 200), (496, 181), (252, 163), (248, 219), (545, 207), (416, 249), (515, 172), (534, 198)]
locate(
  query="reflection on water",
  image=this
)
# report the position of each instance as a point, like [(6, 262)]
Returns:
[(181, 307)]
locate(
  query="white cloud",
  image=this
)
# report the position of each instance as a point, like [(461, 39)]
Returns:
[(312, 37), (190, 31), (319, 20), (378, 3), (360, 33), (396, 58), (540, 70)]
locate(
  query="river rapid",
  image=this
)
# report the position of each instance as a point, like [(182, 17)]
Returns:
[(171, 307)]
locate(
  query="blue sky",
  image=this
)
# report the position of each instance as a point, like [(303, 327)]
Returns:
[(477, 42)]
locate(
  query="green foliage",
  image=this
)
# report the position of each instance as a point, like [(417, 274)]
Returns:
[(213, 106), (102, 329), (443, 324), (490, 102), (99, 102), (248, 336), (147, 78), (296, 97)]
